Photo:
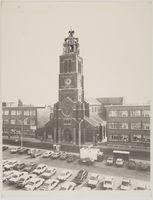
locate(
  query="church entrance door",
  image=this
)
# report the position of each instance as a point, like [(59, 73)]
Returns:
[(67, 136)]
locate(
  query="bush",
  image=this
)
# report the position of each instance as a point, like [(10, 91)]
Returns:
[(143, 166), (131, 164)]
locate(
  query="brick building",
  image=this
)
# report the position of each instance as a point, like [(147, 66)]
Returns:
[(29, 118), (128, 124)]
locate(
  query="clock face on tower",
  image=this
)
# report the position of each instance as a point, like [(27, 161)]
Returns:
[(68, 81)]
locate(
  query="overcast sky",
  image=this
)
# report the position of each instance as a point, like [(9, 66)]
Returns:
[(115, 44)]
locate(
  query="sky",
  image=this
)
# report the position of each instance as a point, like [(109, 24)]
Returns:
[(115, 44)]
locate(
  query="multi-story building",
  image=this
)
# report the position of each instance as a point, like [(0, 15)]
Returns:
[(24, 118), (128, 124)]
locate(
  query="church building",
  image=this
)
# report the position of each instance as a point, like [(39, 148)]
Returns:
[(72, 121)]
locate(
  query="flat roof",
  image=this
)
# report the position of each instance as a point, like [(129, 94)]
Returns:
[(121, 152)]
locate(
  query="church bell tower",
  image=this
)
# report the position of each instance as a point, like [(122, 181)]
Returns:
[(69, 111)]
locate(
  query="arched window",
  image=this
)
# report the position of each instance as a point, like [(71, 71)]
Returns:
[(69, 66), (65, 66)]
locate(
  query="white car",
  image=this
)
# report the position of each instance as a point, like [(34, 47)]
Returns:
[(68, 186), (48, 173), (34, 183), (47, 154), (107, 183), (64, 175), (49, 185), (16, 176), (5, 162), (40, 169), (119, 162), (85, 189), (15, 149), (10, 164), (25, 179), (93, 180), (8, 174), (126, 184)]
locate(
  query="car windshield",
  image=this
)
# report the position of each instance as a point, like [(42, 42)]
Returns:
[(62, 174), (48, 171), (125, 183), (30, 183), (46, 184), (63, 188), (39, 167), (110, 159), (53, 183), (107, 182), (93, 178), (21, 179), (15, 176)]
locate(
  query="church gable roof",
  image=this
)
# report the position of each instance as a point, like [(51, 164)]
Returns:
[(94, 120), (111, 100)]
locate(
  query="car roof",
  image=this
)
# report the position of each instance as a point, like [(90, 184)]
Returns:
[(107, 178), (51, 180), (35, 179), (68, 183), (65, 171), (40, 165), (94, 175), (126, 179)]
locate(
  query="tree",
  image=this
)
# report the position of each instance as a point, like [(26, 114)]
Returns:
[(20, 102)]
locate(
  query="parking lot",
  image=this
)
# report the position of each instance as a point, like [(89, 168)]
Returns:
[(99, 167)]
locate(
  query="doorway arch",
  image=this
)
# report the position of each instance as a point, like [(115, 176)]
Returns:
[(67, 136)]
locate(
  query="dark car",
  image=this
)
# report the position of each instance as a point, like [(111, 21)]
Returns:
[(30, 167), (36, 153), (63, 156), (5, 147), (19, 166), (70, 158), (23, 150), (80, 177)]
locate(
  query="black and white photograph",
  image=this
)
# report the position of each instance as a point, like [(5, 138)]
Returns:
[(76, 96)]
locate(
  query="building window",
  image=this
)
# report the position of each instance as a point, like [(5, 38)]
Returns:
[(79, 67), (25, 122), (116, 125), (135, 113), (136, 138), (19, 112), (32, 113), (67, 121), (122, 138), (26, 112), (112, 113), (69, 66), (92, 109), (122, 113), (32, 122), (146, 138), (146, 113), (145, 126), (136, 126), (13, 121), (6, 112), (13, 112), (6, 121), (65, 66)]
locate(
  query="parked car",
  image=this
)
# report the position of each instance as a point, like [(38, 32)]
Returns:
[(55, 155), (68, 186), (25, 179), (34, 184), (93, 180), (10, 164), (35, 153), (126, 184), (143, 166), (20, 165), (40, 169), (47, 154), (4, 147), (30, 167), (30, 151), (49, 185), (23, 150), (16, 176), (119, 162), (70, 158), (64, 175), (48, 173), (110, 161), (14, 149), (80, 177), (107, 183), (7, 175), (5, 162), (131, 164), (63, 156), (141, 186), (85, 188)]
